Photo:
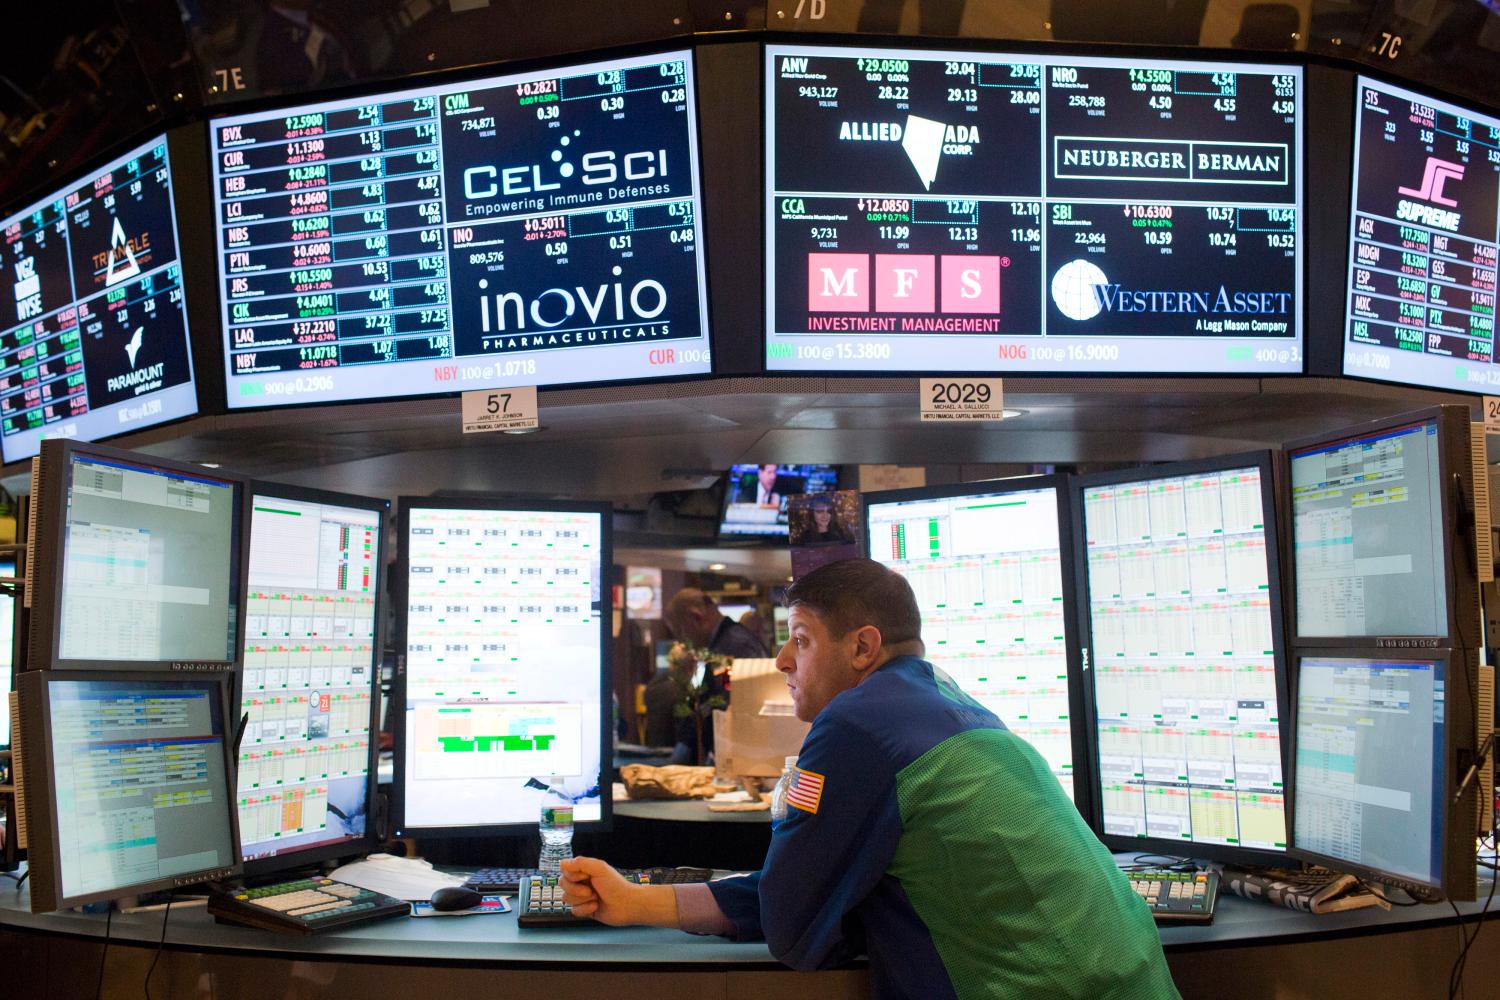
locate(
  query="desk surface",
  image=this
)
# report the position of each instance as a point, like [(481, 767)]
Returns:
[(685, 811), (498, 940)]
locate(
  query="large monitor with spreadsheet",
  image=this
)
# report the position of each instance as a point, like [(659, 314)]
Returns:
[(991, 566), (538, 228), (138, 562), (1186, 691), (1423, 241), (128, 784), (1378, 546), (1378, 754), (313, 606), (8, 606), (503, 690), (1031, 212), (93, 327)]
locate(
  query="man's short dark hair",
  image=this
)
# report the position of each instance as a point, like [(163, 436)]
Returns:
[(852, 593)]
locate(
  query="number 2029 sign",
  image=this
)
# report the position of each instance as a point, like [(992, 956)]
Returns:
[(961, 399)]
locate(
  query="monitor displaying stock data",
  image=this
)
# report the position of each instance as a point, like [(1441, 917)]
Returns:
[(986, 567), (964, 211), (534, 229), (1423, 242), (1368, 551), (93, 332), (309, 674), (1183, 649), (506, 679)]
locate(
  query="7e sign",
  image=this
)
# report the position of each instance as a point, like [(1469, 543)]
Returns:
[(961, 399), (511, 409)]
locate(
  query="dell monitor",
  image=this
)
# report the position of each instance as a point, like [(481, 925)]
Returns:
[(1184, 657), (1378, 756), (306, 779), (137, 562), (986, 562), (503, 684), (1379, 553), (128, 784), (755, 497)]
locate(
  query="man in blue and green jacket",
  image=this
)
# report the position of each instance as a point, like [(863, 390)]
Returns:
[(921, 832)]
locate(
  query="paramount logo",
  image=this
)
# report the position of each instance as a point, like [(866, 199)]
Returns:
[(1087, 158)]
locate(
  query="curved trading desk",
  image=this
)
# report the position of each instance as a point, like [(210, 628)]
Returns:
[(1251, 950)]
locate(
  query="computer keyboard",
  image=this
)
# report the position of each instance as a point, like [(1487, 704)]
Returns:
[(541, 903), (1177, 897), (303, 906), (509, 879)]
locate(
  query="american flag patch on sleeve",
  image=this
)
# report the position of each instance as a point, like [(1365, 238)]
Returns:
[(806, 790)]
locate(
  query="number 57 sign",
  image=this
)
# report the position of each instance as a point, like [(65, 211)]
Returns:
[(511, 409)]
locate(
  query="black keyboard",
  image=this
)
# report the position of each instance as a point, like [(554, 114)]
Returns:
[(1177, 897), (542, 900), (509, 879), (304, 906)]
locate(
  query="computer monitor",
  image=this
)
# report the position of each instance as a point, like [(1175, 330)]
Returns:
[(1185, 667), (504, 677), (127, 783), (7, 650), (137, 562), (755, 497), (1379, 747), (1380, 552), (987, 563), (309, 687)]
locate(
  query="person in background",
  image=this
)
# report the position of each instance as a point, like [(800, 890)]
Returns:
[(696, 621), (919, 831), (756, 623), (765, 487), (825, 528)]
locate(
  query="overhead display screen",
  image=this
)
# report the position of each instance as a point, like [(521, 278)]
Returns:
[(521, 230), (1423, 242), (981, 212), (93, 332)]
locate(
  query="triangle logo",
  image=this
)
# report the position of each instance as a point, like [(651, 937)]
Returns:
[(119, 247)]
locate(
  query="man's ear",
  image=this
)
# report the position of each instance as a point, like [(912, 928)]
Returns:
[(867, 646)]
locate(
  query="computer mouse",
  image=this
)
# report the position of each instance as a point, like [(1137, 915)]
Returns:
[(455, 897)]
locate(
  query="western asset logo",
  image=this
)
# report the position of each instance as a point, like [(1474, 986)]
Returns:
[(1434, 175), (924, 141), (968, 287), (1081, 291), (1088, 158)]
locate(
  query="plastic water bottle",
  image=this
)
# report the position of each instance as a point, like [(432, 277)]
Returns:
[(557, 837), (779, 793)]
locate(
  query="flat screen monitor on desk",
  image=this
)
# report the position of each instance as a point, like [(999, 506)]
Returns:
[(1378, 544), (1375, 772), (755, 496), (93, 327), (8, 608), (310, 679), (990, 564), (138, 562), (505, 680), (1039, 212), (539, 228), (1423, 241), (1187, 694), (128, 784)]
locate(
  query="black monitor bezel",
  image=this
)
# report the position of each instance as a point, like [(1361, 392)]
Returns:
[(605, 512), (49, 524), (1455, 486), (1083, 770), (43, 847), (1454, 862), (300, 857), (1264, 462)]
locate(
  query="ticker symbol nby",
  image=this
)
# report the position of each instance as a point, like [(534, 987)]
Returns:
[(1434, 176), (119, 247), (134, 347), (923, 142)]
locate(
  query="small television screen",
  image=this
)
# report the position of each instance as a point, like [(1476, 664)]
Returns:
[(755, 500)]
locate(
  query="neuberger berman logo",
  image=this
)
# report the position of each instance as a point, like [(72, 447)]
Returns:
[(1086, 158)]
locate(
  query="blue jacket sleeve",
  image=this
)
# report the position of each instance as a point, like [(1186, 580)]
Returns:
[(833, 848)]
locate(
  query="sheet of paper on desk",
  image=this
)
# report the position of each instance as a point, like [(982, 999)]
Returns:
[(405, 878), (491, 904)]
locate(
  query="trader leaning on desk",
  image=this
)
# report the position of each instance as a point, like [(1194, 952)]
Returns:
[(921, 832)]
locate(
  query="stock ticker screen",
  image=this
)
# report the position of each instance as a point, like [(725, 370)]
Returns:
[(984, 212), (521, 230), (93, 333), (1423, 242)]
